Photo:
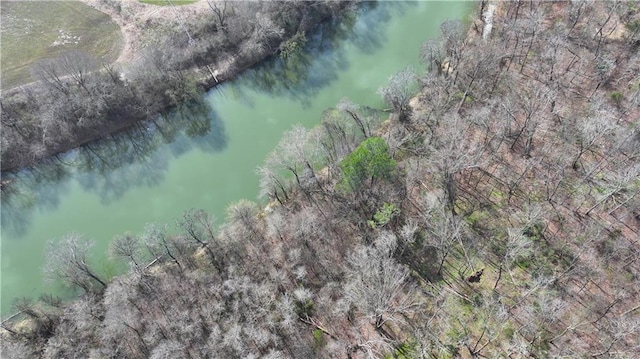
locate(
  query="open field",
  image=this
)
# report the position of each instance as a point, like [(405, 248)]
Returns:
[(33, 30)]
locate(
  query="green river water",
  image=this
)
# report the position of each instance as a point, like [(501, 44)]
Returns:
[(211, 171)]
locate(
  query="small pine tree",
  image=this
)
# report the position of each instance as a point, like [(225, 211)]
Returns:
[(369, 162)]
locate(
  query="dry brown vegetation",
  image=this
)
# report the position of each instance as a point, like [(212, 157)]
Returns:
[(171, 56), (508, 228)]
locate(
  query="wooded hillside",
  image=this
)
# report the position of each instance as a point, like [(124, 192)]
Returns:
[(494, 215)]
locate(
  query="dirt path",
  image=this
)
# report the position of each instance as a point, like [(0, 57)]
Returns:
[(133, 17)]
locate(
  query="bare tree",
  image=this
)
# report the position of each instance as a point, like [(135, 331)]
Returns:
[(272, 184), (376, 283), (221, 9), (245, 226), (438, 94), (432, 54), (67, 259), (266, 30), (624, 177), (604, 30), (200, 228), (453, 151), (17, 349), (126, 246), (577, 10), (123, 324), (454, 42), (445, 231), (78, 65), (297, 152), (182, 23), (337, 137), (524, 113), (618, 330), (591, 130), (239, 23), (364, 122), (159, 244), (553, 162), (531, 27), (169, 349), (397, 93), (45, 319), (49, 72)]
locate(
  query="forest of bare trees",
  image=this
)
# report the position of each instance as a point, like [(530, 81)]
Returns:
[(77, 98), (494, 214)]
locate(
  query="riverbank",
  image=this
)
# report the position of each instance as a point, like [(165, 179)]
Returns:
[(135, 179), (64, 112), (478, 226)]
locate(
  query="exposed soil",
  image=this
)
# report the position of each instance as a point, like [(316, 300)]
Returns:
[(134, 16), (138, 21)]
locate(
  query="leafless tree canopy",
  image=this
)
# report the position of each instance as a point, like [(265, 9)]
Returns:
[(509, 228)]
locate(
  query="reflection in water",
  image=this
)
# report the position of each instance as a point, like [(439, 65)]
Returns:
[(303, 69), (203, 126), (365, 36), (14, 205), (152, 186), (112, 166), (39, 188), (137, 157), (102, 172), (101, 164)]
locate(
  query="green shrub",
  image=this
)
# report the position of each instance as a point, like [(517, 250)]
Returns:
[(292, 49), (305, 308), (476, 217), (403, 351), (369, 162), (633, 26), (318, 339), (384, 215), (616, 97)]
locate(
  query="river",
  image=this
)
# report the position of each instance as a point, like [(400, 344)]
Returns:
[(159, 180)]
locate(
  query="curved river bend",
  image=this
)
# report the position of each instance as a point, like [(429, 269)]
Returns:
[(157, 183)]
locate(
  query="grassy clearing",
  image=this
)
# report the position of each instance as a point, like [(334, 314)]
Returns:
[(166, 2), (32, 30)]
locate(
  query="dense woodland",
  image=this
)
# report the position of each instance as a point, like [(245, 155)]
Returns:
[(495, 214), (77, 98)]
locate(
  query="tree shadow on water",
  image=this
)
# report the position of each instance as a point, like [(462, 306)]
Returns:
[(39, 188), (308, 63), (15, 220), (202, 126), (369, 32), (141, 156), (237, 90), (110, 167)]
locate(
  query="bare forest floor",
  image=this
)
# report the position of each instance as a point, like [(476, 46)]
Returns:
[(547, 175), (497, 216)]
